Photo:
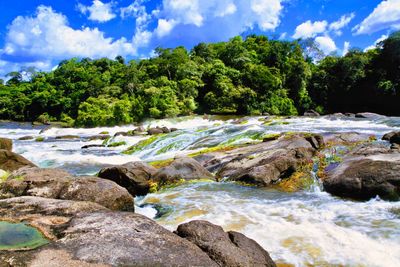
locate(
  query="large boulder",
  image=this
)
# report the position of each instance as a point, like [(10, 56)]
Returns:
[(311, 113), (392, 137), (10, 161), (59, 184), (369, 115), (6, 144), (365, 174), (267, 163), (183, 168), (228, 249), (134, 176), (86, 234)]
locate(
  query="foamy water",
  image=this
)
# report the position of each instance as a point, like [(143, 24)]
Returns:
[(304, 228)]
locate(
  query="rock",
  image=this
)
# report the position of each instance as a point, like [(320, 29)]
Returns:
[(269, 162), (99, 137), (100, 191), (120, 134), (165, 130), (225, 248), (140, 129), (351, 115), (183, 168), (59, 184), (153, 131), (311, 113), (369, 115), (24, 138), (6, 144), (173, 129), (10, 161), (134, 176), (345, 138), (365, 177), (92, 146), (316, 140), (67, 137), (392, 137), (86, 234)]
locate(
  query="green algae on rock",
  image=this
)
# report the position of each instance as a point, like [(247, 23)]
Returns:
[(19, 236)]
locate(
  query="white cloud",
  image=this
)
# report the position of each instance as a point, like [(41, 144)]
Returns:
[(164, 27), (310, 29), (380, 39), (237, 15), (282, 36), (385, 16), (341, 23), (346, 47), (47, 35), (98, 11), (326, 44)]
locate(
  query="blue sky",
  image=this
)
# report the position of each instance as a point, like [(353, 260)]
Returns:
[(40, 33)]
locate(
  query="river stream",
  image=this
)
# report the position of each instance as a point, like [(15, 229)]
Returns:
[(303, 228)]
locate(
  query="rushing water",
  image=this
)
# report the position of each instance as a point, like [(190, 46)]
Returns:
[(304, 228)]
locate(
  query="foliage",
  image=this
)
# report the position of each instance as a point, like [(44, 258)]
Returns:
[(251, 76)]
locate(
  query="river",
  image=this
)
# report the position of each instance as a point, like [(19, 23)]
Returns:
[(302, 229)]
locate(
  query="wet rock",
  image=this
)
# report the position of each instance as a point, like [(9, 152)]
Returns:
[(351, 115), (153, 131), (365, 177), (67, 137), (266, 163), (345, 138), (86, 234), (99, 137), (120, 134), (140, 129), (24, 138), (165, 130), (311, 113), (369, 115), (134, 176), (92, 146), (59, 184), (6, 144), (392, 137), (225, 248), (183, 168), (10, 161), (174, 129)]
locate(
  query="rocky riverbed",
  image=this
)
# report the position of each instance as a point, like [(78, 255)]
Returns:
[(309, 190)]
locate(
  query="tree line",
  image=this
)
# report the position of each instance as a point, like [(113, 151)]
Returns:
[(251, 76)]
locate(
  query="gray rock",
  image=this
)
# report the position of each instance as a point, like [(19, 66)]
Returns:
[(86, 234), (365, 177), (226, 249), (134, 176), (183, 168), (311, 113), (153, 131), (392, 137), (10, 161), (59, 184)]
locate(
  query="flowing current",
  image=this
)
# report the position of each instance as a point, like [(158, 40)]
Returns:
[(307, 228)]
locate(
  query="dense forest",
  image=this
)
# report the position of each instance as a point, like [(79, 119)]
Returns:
[(252, 76)]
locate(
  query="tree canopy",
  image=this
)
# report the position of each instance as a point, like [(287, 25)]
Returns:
[(250, 76)]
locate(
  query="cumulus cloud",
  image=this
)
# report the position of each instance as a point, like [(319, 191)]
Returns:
[(326, 44), (385, 16), (380, 39), (98, 11), (241, 14), (164, 27), (310, 29), (48, 35), (341, 23)]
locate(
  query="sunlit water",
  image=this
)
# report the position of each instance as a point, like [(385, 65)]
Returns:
[(304, 228)]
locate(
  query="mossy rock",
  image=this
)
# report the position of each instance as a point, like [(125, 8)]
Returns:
[(142, 144), (40, 139), (117, 144)]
